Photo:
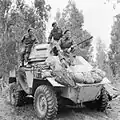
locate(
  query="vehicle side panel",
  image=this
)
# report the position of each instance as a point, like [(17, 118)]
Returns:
[(81, 94), (88, 93)]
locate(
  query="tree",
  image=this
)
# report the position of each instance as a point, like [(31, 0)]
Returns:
[(72, 19), (114, 2), (101, 56), (14, 22), (102, 59), (58, 15), (114, 53)]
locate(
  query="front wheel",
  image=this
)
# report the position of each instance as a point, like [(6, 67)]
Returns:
[(45, 103)]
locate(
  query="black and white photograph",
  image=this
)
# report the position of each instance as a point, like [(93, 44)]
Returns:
[(59, 59)]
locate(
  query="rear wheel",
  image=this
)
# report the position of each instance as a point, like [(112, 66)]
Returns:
[(103, 100), (45, 103), (100, 104), (17, 98)]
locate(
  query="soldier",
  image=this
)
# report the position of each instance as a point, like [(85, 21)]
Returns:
[(27, 41), (56, 33), (65, 44), (66, 41)]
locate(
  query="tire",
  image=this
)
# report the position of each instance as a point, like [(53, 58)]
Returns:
[(103, 100), (100, 104), (45, 103), (16, 97)]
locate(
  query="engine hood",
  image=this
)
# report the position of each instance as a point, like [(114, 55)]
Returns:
[(81, 65)]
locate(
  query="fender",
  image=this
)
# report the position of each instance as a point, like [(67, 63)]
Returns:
[(23, 77), (53, 82)]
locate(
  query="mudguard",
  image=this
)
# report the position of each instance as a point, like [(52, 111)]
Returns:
[(53, 82), (25, 78)]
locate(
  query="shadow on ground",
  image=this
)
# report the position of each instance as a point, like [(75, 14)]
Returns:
[(26, 112)]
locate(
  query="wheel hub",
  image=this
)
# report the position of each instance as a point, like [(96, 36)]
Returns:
[(42, 105)]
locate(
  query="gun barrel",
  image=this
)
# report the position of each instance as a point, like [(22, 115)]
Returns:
[(85, 40), (81, 43)]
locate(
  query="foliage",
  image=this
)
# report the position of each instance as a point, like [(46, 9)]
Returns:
[(58, 16), (102, 59), (114, 53), (114, 2), (101, 56), (14, 22), (72, 19)]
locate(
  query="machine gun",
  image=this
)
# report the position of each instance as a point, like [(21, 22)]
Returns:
[(73, 47)]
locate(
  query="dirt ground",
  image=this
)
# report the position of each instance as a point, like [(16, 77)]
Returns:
[(26, 112)]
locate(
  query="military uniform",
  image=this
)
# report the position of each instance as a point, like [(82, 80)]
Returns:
[(65, 44), (56, 34), (28, 42)]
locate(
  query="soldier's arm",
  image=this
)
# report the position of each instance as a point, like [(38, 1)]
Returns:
[(35, 40), (61, 32), (62, 60), (23, 39), (73, 43), (50, 37), (61, 40), (59, 43)]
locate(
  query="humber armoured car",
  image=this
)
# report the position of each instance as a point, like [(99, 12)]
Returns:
[(49, 90)]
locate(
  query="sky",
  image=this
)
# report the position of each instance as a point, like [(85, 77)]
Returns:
[(98, 16)]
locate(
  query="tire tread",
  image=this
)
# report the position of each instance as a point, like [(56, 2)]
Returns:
[(51, 101)]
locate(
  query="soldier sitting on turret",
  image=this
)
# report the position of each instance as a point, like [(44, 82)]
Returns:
[(65, 45)]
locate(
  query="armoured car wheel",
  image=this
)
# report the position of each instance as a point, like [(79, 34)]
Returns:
[(101, 103), (103, 100), (16, 97), (45, 103)]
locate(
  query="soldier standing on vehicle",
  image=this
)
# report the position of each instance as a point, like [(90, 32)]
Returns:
[(55, 34), (27, 41)]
